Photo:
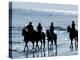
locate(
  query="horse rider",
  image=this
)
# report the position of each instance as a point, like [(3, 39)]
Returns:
[(39, 28), (52, 28), (73, 28), (29, 27), (73, 25)]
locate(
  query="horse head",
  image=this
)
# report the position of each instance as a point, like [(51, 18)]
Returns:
[(68, 29), (47, 32), (23, 31)]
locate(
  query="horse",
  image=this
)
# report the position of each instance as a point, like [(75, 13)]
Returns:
[(73, 35), (33, 36), (52, 37)]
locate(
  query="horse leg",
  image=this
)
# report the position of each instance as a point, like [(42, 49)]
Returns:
[(33, 50), (43, 41), (37, 47), (33, 45), (41, 48), (25, 47), (36, 44), (56, 46), (41, 44), (71, 46), (76, 43), (52, 44), (48, 44), (44, 45), (48, 47), (38, 50), (56, 50)]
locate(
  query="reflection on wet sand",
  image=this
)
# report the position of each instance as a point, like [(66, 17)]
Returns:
[(42, 53)]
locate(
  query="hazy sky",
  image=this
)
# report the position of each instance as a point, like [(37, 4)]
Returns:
[(44, 6), (68, 9)]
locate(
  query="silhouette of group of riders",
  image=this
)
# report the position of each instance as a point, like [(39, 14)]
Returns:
[(30, 34)]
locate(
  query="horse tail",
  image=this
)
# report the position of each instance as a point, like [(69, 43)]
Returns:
[(76, 33)]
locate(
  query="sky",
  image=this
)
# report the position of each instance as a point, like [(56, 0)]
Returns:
[(47, 7), (44, 6)]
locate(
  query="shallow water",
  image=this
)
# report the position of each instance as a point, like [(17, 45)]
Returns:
[(63, 44)]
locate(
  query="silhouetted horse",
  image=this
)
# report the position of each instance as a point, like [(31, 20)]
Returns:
[(73, 35), (33, 36), (52, 37)]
